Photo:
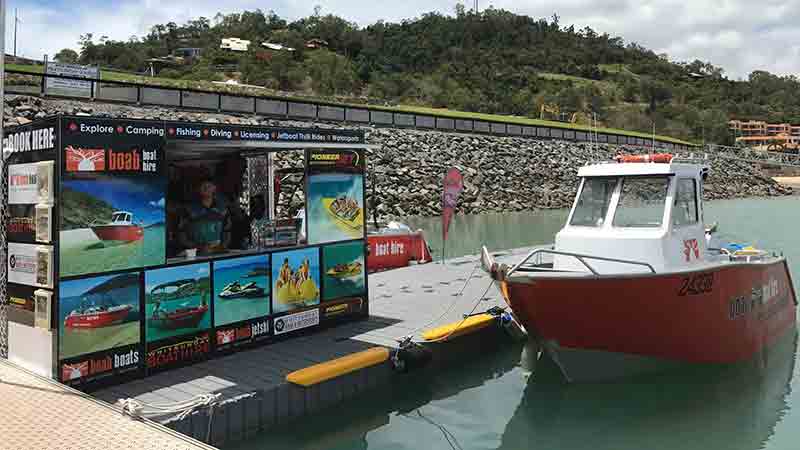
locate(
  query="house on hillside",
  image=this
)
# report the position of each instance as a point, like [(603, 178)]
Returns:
[(235, 44), (316, 43)]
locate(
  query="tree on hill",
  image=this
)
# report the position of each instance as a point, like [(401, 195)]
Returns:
[(67, 55)]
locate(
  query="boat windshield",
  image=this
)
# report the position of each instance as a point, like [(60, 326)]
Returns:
[(593, 202), (120, 217), (641, 202)]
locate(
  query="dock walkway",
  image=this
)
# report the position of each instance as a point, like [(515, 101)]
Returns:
[(252, 383), (41, 414)]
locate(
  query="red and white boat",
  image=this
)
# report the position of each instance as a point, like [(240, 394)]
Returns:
[(635, 282), (97, 316), (120, 229)]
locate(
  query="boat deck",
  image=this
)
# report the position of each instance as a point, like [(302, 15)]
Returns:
[(252, 383), (41, 414)]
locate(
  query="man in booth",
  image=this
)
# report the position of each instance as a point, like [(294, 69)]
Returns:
[(206, 222)]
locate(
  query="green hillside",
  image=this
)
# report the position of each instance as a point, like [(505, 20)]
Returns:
[(462, 64)]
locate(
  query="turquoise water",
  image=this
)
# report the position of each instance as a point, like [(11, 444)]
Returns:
[(322, 227), (227, 311), (81, 252), (343, 254), (503, 401)]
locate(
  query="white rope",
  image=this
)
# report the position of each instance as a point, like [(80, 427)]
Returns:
[(138, 408)]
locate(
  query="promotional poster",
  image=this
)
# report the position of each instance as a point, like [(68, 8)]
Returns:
[(98, 313), (21, 223), (178, 351), (295, 280), (111, 223), (343, 309), (335, 208), (29, 264), (345, 273), (112, 196), (23, 184), (241, 289), (97, 366), (21, 304), (177, 301)]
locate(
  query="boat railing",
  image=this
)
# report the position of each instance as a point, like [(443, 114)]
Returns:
[(580, 257)]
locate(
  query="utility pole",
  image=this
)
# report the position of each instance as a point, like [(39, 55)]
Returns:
[(476, 6), (16, 21)]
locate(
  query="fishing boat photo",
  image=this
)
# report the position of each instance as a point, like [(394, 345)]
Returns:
[(120, 229), (346, 212), (635, 282), (237, 290), (343, 271)]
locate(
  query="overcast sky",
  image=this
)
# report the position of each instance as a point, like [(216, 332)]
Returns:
[(739, 35)]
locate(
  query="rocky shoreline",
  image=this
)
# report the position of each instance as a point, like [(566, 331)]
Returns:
[(501, 174)]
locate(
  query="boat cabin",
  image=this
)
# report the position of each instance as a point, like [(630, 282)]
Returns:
[(650, 213), (163, 218)]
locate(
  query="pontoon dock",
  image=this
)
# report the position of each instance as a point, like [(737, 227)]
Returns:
[(254, 392)]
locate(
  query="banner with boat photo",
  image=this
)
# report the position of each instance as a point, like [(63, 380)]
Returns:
[(99, 327), (241, 300), (177, 314), (113, 197), (335, 196)]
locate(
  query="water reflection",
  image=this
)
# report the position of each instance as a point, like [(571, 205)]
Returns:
[(495, 231), (734, 407)]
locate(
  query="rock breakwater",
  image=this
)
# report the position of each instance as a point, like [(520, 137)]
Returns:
[(501, 174)]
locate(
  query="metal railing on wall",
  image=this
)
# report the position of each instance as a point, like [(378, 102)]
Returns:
[(273, 106)]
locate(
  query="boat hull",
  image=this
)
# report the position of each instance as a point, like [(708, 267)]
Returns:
[(180, 319), (725, 314), (97, 320), (244, 295), (118, 233)]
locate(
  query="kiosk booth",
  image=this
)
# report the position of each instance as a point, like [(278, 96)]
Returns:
[(138, 246)]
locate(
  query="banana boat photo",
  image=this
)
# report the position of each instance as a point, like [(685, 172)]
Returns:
[(296, 280)]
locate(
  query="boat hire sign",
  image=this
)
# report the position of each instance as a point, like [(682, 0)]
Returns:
[(113, 189), (453, 184)]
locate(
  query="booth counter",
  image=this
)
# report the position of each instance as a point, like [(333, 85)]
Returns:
[(137, 246)]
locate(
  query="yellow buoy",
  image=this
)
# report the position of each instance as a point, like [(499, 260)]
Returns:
[(466, 326), (337, 367)]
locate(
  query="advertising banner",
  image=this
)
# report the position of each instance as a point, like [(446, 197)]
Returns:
[(241, 289), (113, 196), (22, 184), (214, 132), (296, 321), (244, 333), (30, 264), (336, 209), (38, 137), (342, 309), (177, 314), (21, 304), (345, 274), (21, 223), (70, 87), (453, 184), (295, 279), (177, 301), (99, 326)]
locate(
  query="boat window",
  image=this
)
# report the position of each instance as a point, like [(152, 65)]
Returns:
[(593, 202), (641, 202), (684, 212)]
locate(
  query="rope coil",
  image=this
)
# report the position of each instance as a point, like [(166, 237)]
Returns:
[(136, 408)]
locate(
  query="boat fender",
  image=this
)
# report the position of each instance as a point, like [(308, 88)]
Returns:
[(411, 356)]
